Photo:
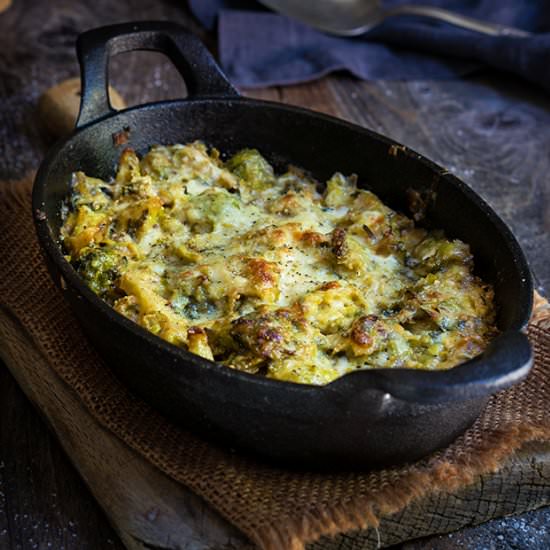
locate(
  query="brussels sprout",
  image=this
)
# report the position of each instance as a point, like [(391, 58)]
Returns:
[(271, 335), (252, 169), (339, 191), (213, 208), (435, 253)]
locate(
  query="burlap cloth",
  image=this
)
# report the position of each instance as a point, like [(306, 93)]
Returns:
[(276, 508)]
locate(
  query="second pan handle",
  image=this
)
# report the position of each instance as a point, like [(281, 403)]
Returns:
[(200, 72)]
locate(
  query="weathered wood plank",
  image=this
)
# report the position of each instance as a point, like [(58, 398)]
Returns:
[(521, 485), (43, 502), (145, 506), (528, 531)]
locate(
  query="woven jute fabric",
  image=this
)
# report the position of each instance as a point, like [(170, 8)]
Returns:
[(277, 508)]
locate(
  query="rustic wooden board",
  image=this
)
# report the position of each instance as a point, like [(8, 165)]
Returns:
[(148, 509), (522, 484), (145, 506)]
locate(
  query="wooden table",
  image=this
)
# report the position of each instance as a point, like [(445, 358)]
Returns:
[(492, 131)]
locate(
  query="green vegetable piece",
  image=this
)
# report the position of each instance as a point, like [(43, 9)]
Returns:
[(213, 208), (252, 169), (101, 268), (339, 191), (435, 253)]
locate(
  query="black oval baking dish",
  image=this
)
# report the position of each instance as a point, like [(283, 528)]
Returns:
[(369, 417)]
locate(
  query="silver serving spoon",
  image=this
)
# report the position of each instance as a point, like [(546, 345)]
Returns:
[(353, 17)]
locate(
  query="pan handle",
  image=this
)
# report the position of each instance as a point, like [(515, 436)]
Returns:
[(200, 72), (507, 360)]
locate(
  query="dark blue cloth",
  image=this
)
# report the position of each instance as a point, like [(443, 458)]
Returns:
[(258, 47)]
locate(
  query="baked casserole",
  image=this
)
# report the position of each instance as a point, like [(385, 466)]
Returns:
[(273, 274)]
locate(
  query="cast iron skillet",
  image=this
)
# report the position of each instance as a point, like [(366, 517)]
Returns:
[(370, 417)]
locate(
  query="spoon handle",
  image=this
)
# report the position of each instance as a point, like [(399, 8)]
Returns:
[(456, 19)]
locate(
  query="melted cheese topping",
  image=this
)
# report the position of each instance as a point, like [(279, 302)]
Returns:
[(267, 274)]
